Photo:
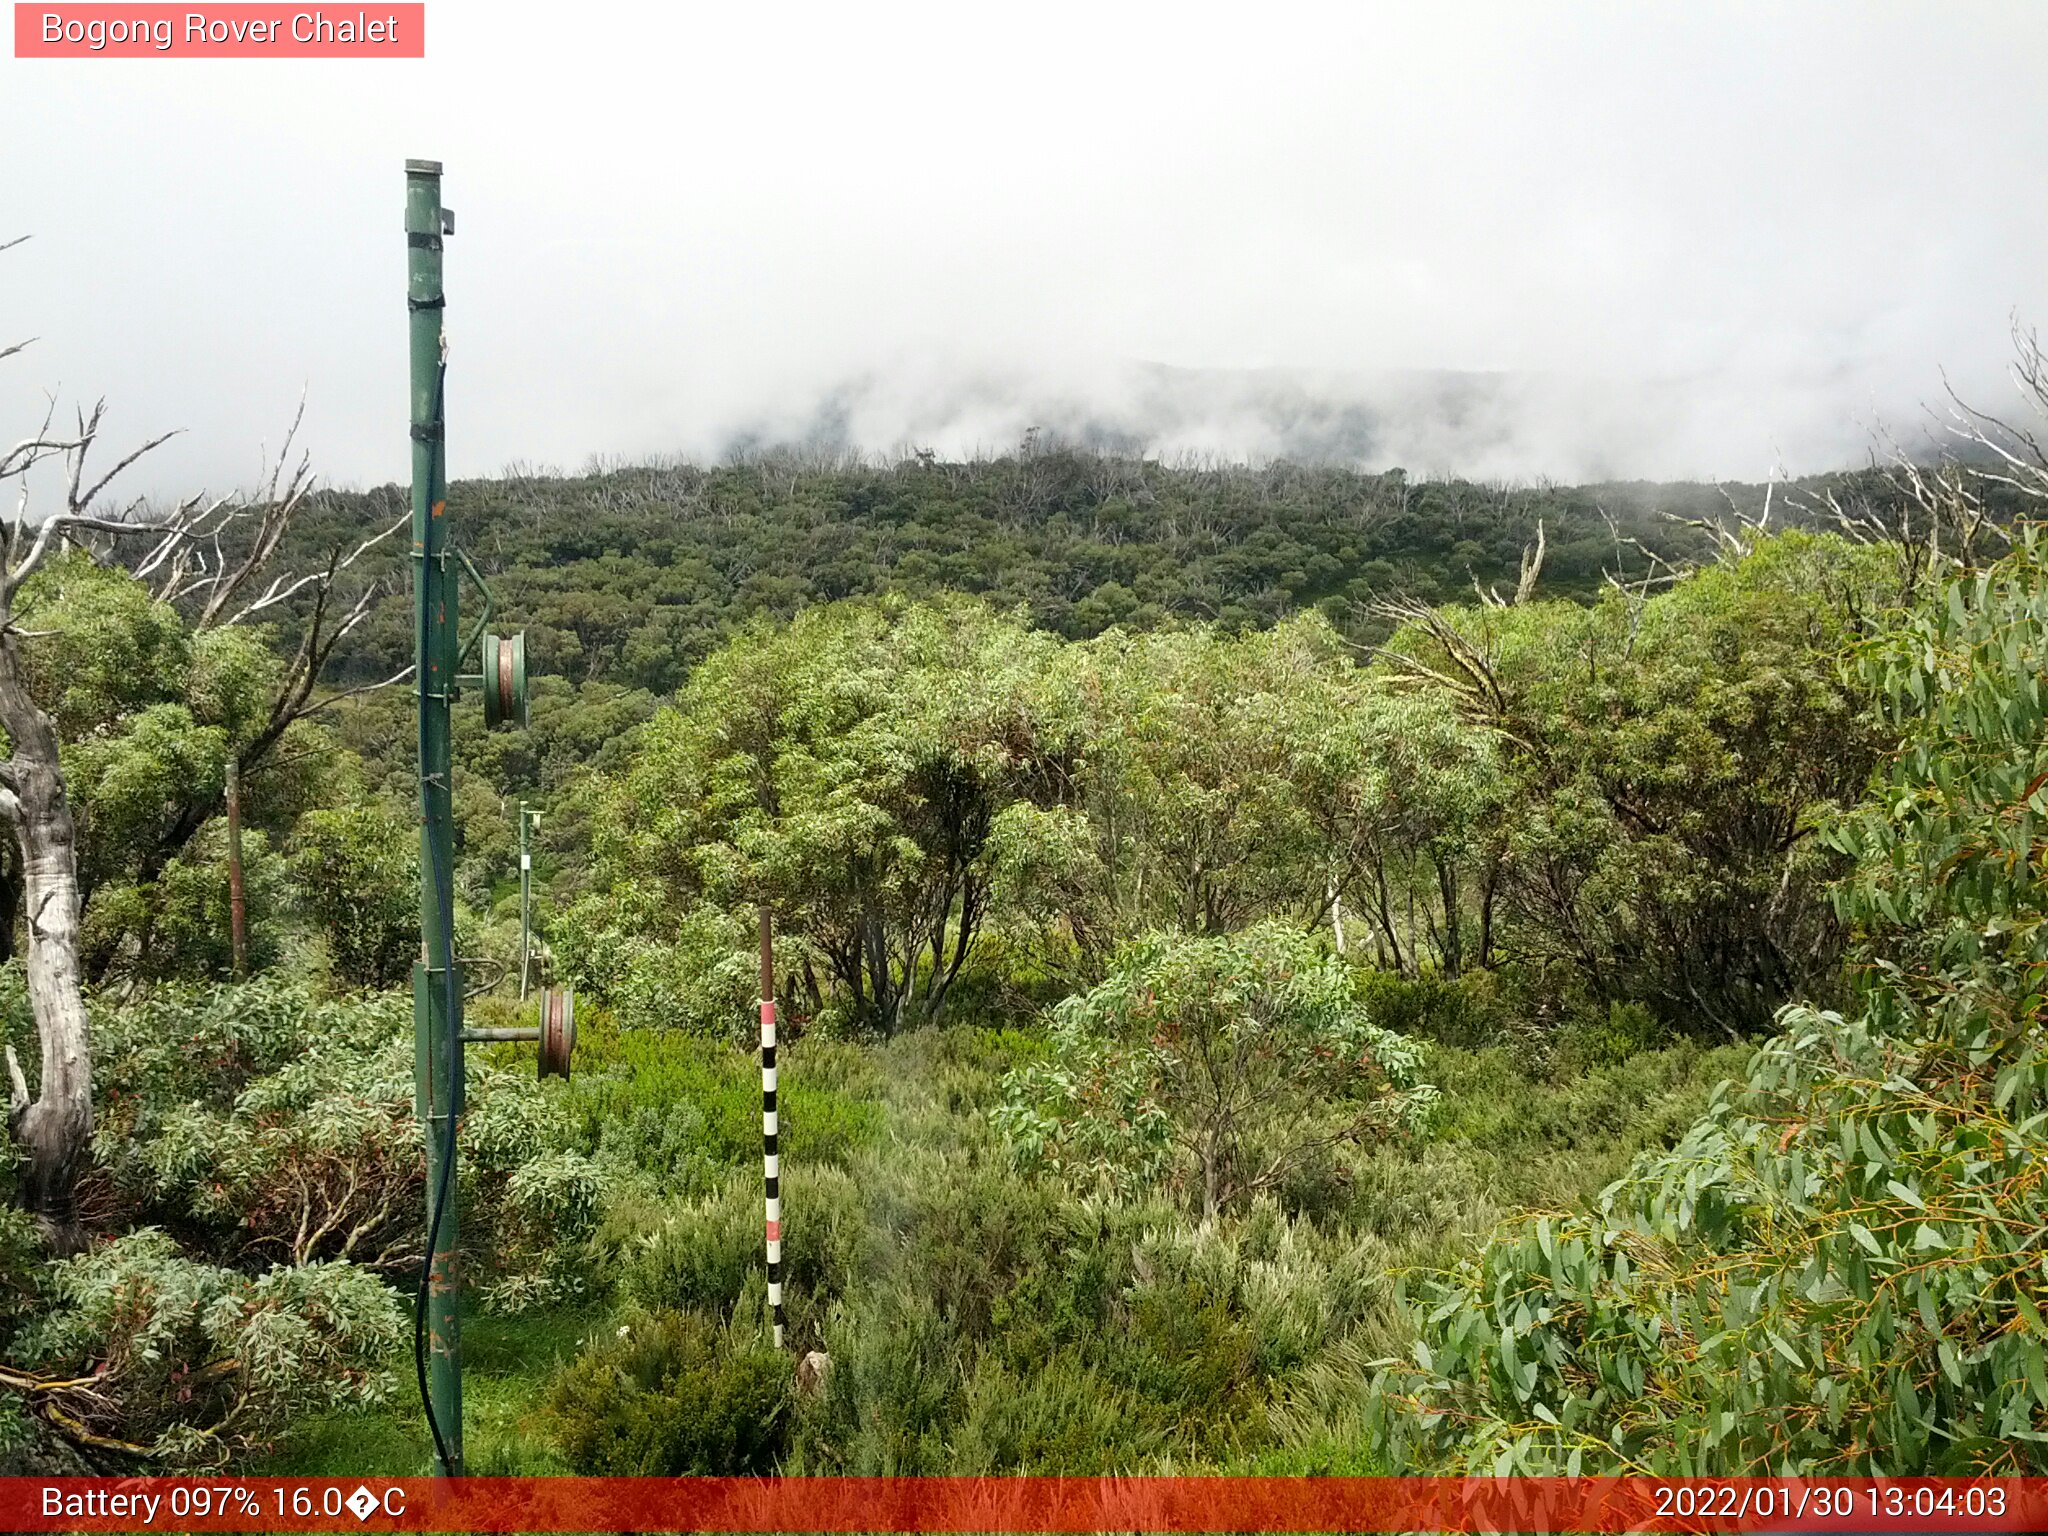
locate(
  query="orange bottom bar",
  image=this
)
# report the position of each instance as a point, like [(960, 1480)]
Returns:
[(1070, 1504)]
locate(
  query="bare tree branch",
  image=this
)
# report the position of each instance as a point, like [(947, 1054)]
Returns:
[(283, 588), (79, 505)]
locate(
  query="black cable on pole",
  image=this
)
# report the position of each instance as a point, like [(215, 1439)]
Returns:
[(445, 893)]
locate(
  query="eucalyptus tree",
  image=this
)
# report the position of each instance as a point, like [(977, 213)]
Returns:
[(1835, 1270), (846, 770), (1227, 779), (1668, 756)]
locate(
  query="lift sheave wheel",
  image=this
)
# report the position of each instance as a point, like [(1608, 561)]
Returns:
[(504, 664), (557, 1030)]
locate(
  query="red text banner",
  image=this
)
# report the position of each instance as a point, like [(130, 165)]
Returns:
[(949, 1504), (227, 31)]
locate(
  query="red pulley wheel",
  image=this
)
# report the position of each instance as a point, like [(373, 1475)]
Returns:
[(557, 1030), (504, 680)]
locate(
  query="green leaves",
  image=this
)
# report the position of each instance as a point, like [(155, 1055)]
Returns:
[(1214, 1065), (892, 779), (1667, 758), (100, 648), (201, 1362), (849, 771), (358, 880), (1836, 1270)]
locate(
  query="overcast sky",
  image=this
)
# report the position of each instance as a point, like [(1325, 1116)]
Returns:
[(1698, 239)]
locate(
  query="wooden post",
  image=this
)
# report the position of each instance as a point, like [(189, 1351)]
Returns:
[(238, 905)]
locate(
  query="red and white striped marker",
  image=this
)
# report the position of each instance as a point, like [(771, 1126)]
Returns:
[(771, 1158)]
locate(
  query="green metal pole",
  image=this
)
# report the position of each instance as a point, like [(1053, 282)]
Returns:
[(525, 906), (437, 994)]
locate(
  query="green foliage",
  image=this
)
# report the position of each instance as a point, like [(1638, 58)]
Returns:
[(23, 1258), (1214, 1066), (280, 1127), (895, 781), (671, 1395), (695, 973), (706, 1256), (1835, 1269), (148, 714), (1672, 757), (177, 925), (1653, 1095), (1578, 828), (675, 1115), (1610, 1037), (1617, 801), (100, 648), (1219, 780), (1003, 1323), (1059, 1417), (845, 769), (199, 1363), (1461, 1011), (357, 869), (632, 575), (978, 1319)]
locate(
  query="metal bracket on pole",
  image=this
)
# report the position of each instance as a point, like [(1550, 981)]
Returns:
[(490, 606)]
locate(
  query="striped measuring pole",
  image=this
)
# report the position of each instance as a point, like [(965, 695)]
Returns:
[(771, 1157)]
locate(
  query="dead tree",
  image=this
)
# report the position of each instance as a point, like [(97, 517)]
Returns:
[(183, 555), (213, 563), (1525, 586), (1959, 511)]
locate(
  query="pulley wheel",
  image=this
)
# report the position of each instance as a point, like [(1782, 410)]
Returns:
[(557, 1030), (504, 664)]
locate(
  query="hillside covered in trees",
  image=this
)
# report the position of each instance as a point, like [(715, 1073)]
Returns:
[(1288, 970), (630, 575), (625, 578)]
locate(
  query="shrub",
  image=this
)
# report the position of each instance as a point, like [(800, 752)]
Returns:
[(1457, 1011), (1609, 1037), (1214, 1065), (1058, 1417), (676, 1113), (894, 1399), (358, 876), (282, 1126), (671, 1395), (23, 1257), (700, 975), (194, 1363), (708, 1255)]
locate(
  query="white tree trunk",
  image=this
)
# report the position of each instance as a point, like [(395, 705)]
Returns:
[(54, 1128)]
